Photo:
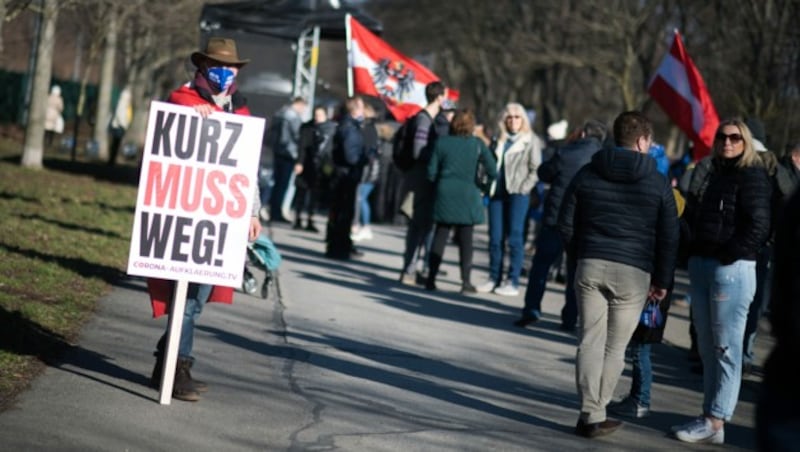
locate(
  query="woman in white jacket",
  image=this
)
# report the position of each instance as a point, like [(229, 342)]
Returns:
[(53, 119), (518, 153)]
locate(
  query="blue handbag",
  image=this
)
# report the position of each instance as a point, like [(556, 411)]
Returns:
[(651, 315)]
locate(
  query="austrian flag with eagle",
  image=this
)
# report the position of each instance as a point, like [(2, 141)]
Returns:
[(381, 71)]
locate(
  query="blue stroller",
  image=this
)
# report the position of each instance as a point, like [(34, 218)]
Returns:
[(263, 254)]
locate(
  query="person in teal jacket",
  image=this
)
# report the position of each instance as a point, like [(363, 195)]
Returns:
[(457, 200)]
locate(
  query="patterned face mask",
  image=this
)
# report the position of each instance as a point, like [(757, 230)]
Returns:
[(220, 78)]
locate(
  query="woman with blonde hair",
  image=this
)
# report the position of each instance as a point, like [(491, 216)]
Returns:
[(728, 222), (518, 153)]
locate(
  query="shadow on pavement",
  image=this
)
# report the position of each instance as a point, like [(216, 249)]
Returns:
[(412, 363)]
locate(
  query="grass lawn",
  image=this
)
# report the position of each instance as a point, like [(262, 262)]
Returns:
[(64, 238)]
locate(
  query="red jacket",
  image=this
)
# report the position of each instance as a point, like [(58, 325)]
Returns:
[(195, 92)]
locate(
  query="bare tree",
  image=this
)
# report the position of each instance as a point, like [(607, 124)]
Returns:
[(569, 60), (9, 10), (154, 46), (33, 150), (110, 18), (755, 72)]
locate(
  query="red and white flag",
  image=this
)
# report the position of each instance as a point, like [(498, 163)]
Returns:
[(381, 71), (678, 87)]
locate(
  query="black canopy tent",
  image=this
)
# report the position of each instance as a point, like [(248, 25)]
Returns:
[(277, 36), (285, 19)]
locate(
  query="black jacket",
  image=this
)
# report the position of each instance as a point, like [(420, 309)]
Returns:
[(780, 377), (349, 148), (730, 219), (316, 142), (559, 170), (619, 208)]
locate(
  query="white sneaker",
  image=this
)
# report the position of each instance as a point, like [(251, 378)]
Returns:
[(364, 233), (701, 431), (507, 290), (686, 425), (486, 287), (263, 214)]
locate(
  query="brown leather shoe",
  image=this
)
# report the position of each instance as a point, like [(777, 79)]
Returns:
[(597, 428)]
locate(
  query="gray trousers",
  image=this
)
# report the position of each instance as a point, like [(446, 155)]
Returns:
[(610, 298)]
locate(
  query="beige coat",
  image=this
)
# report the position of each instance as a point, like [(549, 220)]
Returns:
[(521, 161), (53, 121)]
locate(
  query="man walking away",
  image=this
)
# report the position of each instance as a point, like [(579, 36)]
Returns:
[(620, 223)]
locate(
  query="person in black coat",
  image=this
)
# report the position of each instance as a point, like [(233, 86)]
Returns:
[(619, 222), (558, 171), (777, 417), (729, 222), (349, 157), (316, 141)]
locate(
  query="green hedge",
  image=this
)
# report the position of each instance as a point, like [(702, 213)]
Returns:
[(12, 96)]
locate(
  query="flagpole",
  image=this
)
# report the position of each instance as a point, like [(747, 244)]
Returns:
[(349, 43)]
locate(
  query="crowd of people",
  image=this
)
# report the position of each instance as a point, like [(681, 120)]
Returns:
[(614, 209), (612, 272)]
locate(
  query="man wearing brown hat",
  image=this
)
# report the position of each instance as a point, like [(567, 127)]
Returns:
[(212, 90)]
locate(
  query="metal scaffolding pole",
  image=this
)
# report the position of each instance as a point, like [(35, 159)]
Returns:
[(305, 71)]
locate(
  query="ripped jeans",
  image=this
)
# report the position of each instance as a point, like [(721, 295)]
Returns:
[(721, 297)]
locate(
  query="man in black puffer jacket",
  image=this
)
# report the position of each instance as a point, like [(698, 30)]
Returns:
[(349, 155), (558, 171), (619, 222)]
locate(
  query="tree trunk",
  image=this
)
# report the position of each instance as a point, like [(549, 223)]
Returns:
[(106, 82), (33, 151), (3, 9)]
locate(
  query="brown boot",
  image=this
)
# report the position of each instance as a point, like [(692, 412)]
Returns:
[(200, 386), (183, 388), (155, 377)]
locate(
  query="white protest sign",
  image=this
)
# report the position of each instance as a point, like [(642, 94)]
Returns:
[(195, 198)]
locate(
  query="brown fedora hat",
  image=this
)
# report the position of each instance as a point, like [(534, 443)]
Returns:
[(219, 49)]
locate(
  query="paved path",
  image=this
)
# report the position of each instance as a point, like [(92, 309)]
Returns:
[(345, 358)]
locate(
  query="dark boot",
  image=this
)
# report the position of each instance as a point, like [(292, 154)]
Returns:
[(433, 270), (310, 226), (183, 388), (155, 378), (200, 386)]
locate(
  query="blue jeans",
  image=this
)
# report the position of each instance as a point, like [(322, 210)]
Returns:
[(721, 297), (282, 175), (642, 373), (548, 248), (507, 216), (365, 214), (197, 296)]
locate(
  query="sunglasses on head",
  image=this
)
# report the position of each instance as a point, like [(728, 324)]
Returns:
[(734, 137)]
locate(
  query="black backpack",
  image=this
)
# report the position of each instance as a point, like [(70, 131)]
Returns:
[(403, 145)]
